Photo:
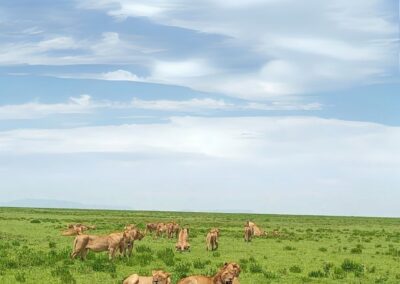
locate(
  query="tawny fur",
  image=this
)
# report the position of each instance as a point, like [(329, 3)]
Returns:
[(159, 277)]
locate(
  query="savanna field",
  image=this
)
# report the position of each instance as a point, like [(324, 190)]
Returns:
[(308, 249)]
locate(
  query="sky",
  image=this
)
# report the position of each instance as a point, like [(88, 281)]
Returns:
[(263, 106)]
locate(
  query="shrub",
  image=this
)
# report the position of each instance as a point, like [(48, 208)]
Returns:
[(64, 274), (182, 269), (255, 268), (323, 249), (167, 256), (103, 265), (143, 249), (144, 259), (198, 264), (289, 248), (327, 267), (316, 274), (270, 275), (352, 266), (339, 273), (356, 250), (20, 277), (295, 269)]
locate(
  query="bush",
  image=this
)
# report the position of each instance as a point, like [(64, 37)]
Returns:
[(352, 266), (289, 248), (327, 267), (143, 249), (167, 256), (198, 264), (64, 274), (35, 221), (295, 269), (323, 249), (144, 259), (182, 269), (270, 275), (20, 277), (316, 274), (255, 268), (103, 265), (339, 273)]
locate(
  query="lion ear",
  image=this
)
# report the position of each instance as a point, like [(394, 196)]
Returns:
[(225, 264)]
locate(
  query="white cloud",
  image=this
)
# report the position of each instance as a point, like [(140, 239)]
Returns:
[(245, 137), (32, 110), (84, 104), (323, 45), (118, 75), (184, 105), (277, 165)]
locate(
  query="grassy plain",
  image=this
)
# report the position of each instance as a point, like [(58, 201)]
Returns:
[(311, 249)]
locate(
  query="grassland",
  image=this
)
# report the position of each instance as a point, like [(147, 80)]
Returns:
[(311, 249)]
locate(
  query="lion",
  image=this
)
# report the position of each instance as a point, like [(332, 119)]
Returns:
[(158, 277), (248, 233), (172, 230), (126, 247), (130, 227), (226, 275), (183, 243), (76, 229), (111, 243), (257, 232), (212, 239), (151, 227), (161, 229)]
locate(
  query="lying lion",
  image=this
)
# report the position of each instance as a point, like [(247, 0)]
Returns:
[(76, 229), (226, 275), (183, 238), (158, 277), (110, 243)]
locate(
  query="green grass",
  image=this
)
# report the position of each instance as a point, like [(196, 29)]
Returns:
[(310, 249)]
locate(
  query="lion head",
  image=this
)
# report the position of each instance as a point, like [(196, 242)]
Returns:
[(161, 277)]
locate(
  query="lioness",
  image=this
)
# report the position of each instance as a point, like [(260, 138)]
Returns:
[(257, 232), (172, 230), (110, 243), (126, 246), (151, 227), (183, 243), (158, 277), (226, 275), (76, 229), (248, 233), (161, 229), (212, 239)]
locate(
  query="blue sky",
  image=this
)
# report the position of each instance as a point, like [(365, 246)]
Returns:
[(269, 106)]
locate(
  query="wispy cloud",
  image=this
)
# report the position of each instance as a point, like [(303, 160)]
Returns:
[(32, 110), (336, 45), (85, 104)]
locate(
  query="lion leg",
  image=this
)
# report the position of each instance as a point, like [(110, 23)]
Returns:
[(84, 253), (111, 253)]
